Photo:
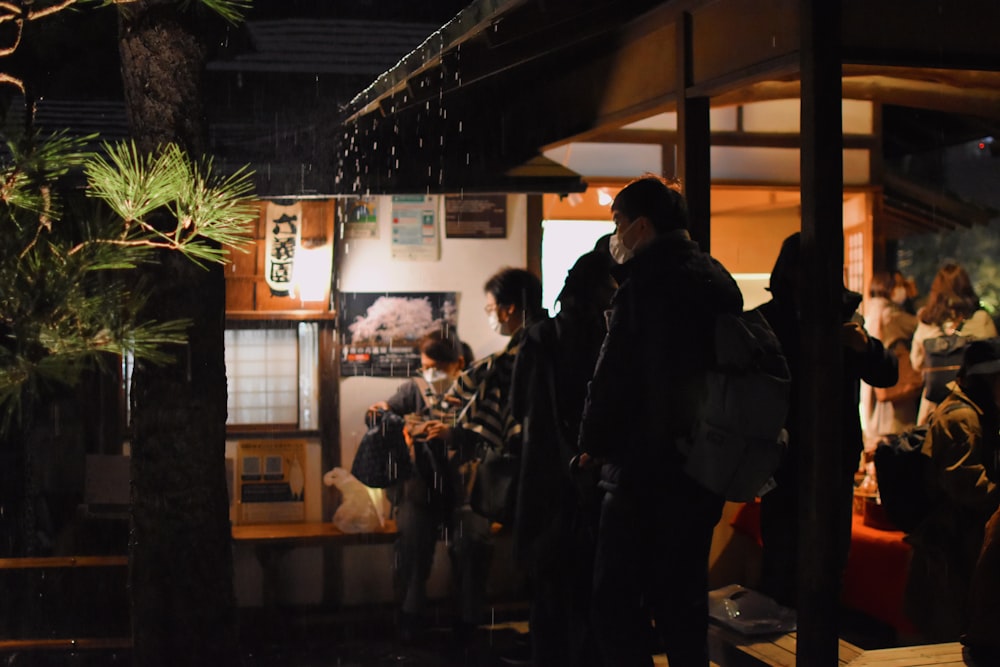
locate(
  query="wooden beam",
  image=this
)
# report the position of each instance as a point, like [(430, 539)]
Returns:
[(751, 139)]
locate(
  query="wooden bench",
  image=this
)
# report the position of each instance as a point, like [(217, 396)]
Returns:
[(271, 541), (68, 643), (731, 649), (939, 655)]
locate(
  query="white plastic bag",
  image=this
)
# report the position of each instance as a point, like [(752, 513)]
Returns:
[(357, 512), (749, 612)]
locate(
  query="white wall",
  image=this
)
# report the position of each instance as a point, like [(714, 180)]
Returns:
[(464, 267)]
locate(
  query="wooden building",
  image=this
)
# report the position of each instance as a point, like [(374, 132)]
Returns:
[(774, 115)]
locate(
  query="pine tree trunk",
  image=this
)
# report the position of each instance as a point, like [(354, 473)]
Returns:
[(181, 573)]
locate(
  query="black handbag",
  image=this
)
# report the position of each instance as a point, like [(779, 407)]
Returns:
[(383, 457), (943, 359), (494, 490)]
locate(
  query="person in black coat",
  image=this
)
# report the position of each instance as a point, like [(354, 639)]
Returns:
[(865, 358), (656, 522), (557, 508)]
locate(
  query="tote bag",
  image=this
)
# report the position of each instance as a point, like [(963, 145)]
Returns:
[(910, 382)]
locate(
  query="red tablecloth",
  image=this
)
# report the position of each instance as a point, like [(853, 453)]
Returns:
[(876, 568)]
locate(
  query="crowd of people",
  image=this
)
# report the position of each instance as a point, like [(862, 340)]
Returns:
[(612, 535)]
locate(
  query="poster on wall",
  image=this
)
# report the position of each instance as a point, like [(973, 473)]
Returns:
[(360, 217), (270, 481), (283, 236), (380, 330), (415, 228), (475, 216)]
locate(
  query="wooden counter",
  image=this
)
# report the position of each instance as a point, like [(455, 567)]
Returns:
[(271, 541), (308, 534)]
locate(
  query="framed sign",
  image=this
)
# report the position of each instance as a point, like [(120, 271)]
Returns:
[(360, 217), (283, 237), (475, 216), (270, 481)]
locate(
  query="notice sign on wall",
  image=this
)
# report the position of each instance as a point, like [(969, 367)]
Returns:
[(475, 216), (270, 481), (415, 227), (360, 217)]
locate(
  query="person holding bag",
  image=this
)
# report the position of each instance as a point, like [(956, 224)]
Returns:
[(424, 501), (951, 317)]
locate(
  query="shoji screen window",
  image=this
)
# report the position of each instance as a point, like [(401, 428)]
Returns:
[(272, 377)]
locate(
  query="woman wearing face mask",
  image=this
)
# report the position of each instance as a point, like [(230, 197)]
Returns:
[(424, 503)]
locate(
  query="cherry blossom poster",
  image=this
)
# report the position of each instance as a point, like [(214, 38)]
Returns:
[(380, 331)]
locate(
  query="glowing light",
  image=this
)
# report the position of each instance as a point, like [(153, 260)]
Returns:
[(604, 197), (312, 272)]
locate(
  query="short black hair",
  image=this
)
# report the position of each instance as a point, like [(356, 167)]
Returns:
[(444, 348), (655, 198), (516, 287)]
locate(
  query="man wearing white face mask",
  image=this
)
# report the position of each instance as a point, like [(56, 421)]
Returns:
[(656, 523), (513, 303)]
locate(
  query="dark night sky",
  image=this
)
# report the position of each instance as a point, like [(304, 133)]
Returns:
[(74, 54)]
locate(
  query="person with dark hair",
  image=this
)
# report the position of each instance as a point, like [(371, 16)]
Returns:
[(513, 297), (557, 509), (962, 443), (513, 303), (864, 358), (896, 410), (904, 292), (424, 504), (656, 522), (952, 307)]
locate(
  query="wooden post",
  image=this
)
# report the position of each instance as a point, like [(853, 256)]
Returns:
[(694, 164), (535, 213), (821, 414)]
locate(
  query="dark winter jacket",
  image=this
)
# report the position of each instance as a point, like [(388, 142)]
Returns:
[(961, 442), (549, 387), (876, 366), (650, 374)]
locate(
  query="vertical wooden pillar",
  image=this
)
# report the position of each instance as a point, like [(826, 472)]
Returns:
[(821, 414), (535, 213), (694, 164)]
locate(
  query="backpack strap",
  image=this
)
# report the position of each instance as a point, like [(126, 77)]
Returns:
[(955, 405), (425, 392)]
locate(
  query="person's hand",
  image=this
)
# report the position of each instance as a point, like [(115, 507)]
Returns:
[(853, 336), (437, 430), (375, 407), (584, 461)]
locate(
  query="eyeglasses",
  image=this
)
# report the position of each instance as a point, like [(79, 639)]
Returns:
[(490, 308)]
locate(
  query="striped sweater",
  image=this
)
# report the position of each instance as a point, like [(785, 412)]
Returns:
[(484, 390)]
